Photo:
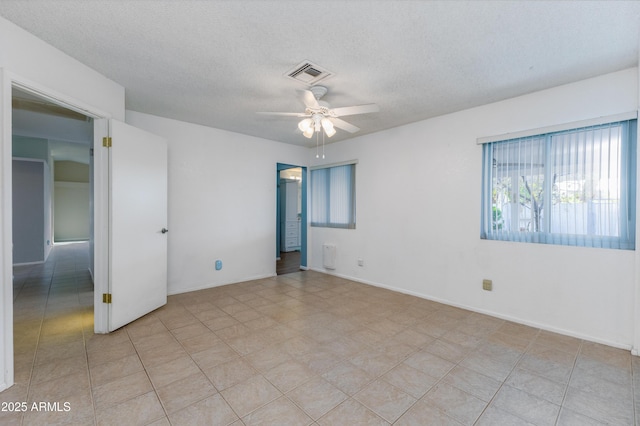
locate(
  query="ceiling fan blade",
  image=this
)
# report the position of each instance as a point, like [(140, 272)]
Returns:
[(353, 110), (310, 100), (341, 124), (285, 114)]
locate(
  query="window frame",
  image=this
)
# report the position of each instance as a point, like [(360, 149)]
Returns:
[(625, 239)]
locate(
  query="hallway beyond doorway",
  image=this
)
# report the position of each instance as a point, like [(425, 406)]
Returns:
[(53, 320), (289, 262)]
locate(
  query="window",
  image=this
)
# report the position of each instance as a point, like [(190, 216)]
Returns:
[(571, 187), (333, 199)]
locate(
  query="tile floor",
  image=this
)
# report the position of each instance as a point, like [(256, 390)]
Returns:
[(299, 349)]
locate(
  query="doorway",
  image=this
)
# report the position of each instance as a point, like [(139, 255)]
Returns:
[(291, 218), (111, 166), (61, 140), (53, 290)]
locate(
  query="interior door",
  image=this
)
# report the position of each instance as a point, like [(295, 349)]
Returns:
[(137, 223)]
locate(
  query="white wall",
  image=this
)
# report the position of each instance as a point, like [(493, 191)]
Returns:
[(72, 199), (29, 210), (418, 219), (33, 63), (71, 202), (222, 202)]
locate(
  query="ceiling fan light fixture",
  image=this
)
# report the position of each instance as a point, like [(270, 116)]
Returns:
[(317, 122), (318, 116), (327, 125), (308, 132), (305, 124)]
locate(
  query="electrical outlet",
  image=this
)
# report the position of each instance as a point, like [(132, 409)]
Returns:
[(360, 262), (487, 285)]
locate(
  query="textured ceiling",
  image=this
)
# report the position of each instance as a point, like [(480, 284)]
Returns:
[(217, 63)]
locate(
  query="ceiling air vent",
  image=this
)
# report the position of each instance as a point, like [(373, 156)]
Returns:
[(308, 73)]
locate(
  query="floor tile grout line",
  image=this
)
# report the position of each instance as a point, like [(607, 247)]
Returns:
[(219, 392), (37, 345), (199, 368), (566, 389), (504, 381), (146, 372), (93, 403), (633, 393), (282, 394), (285, 394), (43, 319), (441, 380), (380, 376)]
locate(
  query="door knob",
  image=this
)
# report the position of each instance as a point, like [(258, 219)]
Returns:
[(164, 230)]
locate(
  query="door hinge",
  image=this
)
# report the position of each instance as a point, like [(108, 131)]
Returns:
[(106, 142), (91, 152), (106, 297)]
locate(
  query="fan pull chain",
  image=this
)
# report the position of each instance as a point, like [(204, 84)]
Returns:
[(317, 146), (322, 144)]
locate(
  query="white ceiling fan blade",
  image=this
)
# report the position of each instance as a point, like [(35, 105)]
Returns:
[(341, 124), (310, 100), (353, 110), (285, 114)]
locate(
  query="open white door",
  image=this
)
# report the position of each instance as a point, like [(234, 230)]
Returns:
[(137, 223)]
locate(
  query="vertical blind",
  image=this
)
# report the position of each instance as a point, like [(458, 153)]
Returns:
[(333, 197), (573, 187)]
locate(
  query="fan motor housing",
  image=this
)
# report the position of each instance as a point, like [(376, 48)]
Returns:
[(318, 91)]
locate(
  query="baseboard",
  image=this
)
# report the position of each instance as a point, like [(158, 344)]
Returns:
[(40, 262), (534, 324), (207, 286)]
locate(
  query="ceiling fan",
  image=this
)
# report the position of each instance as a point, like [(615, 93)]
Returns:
[(319, 115)]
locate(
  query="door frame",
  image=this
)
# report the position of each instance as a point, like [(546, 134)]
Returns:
[(303, 215), (8, 81)]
